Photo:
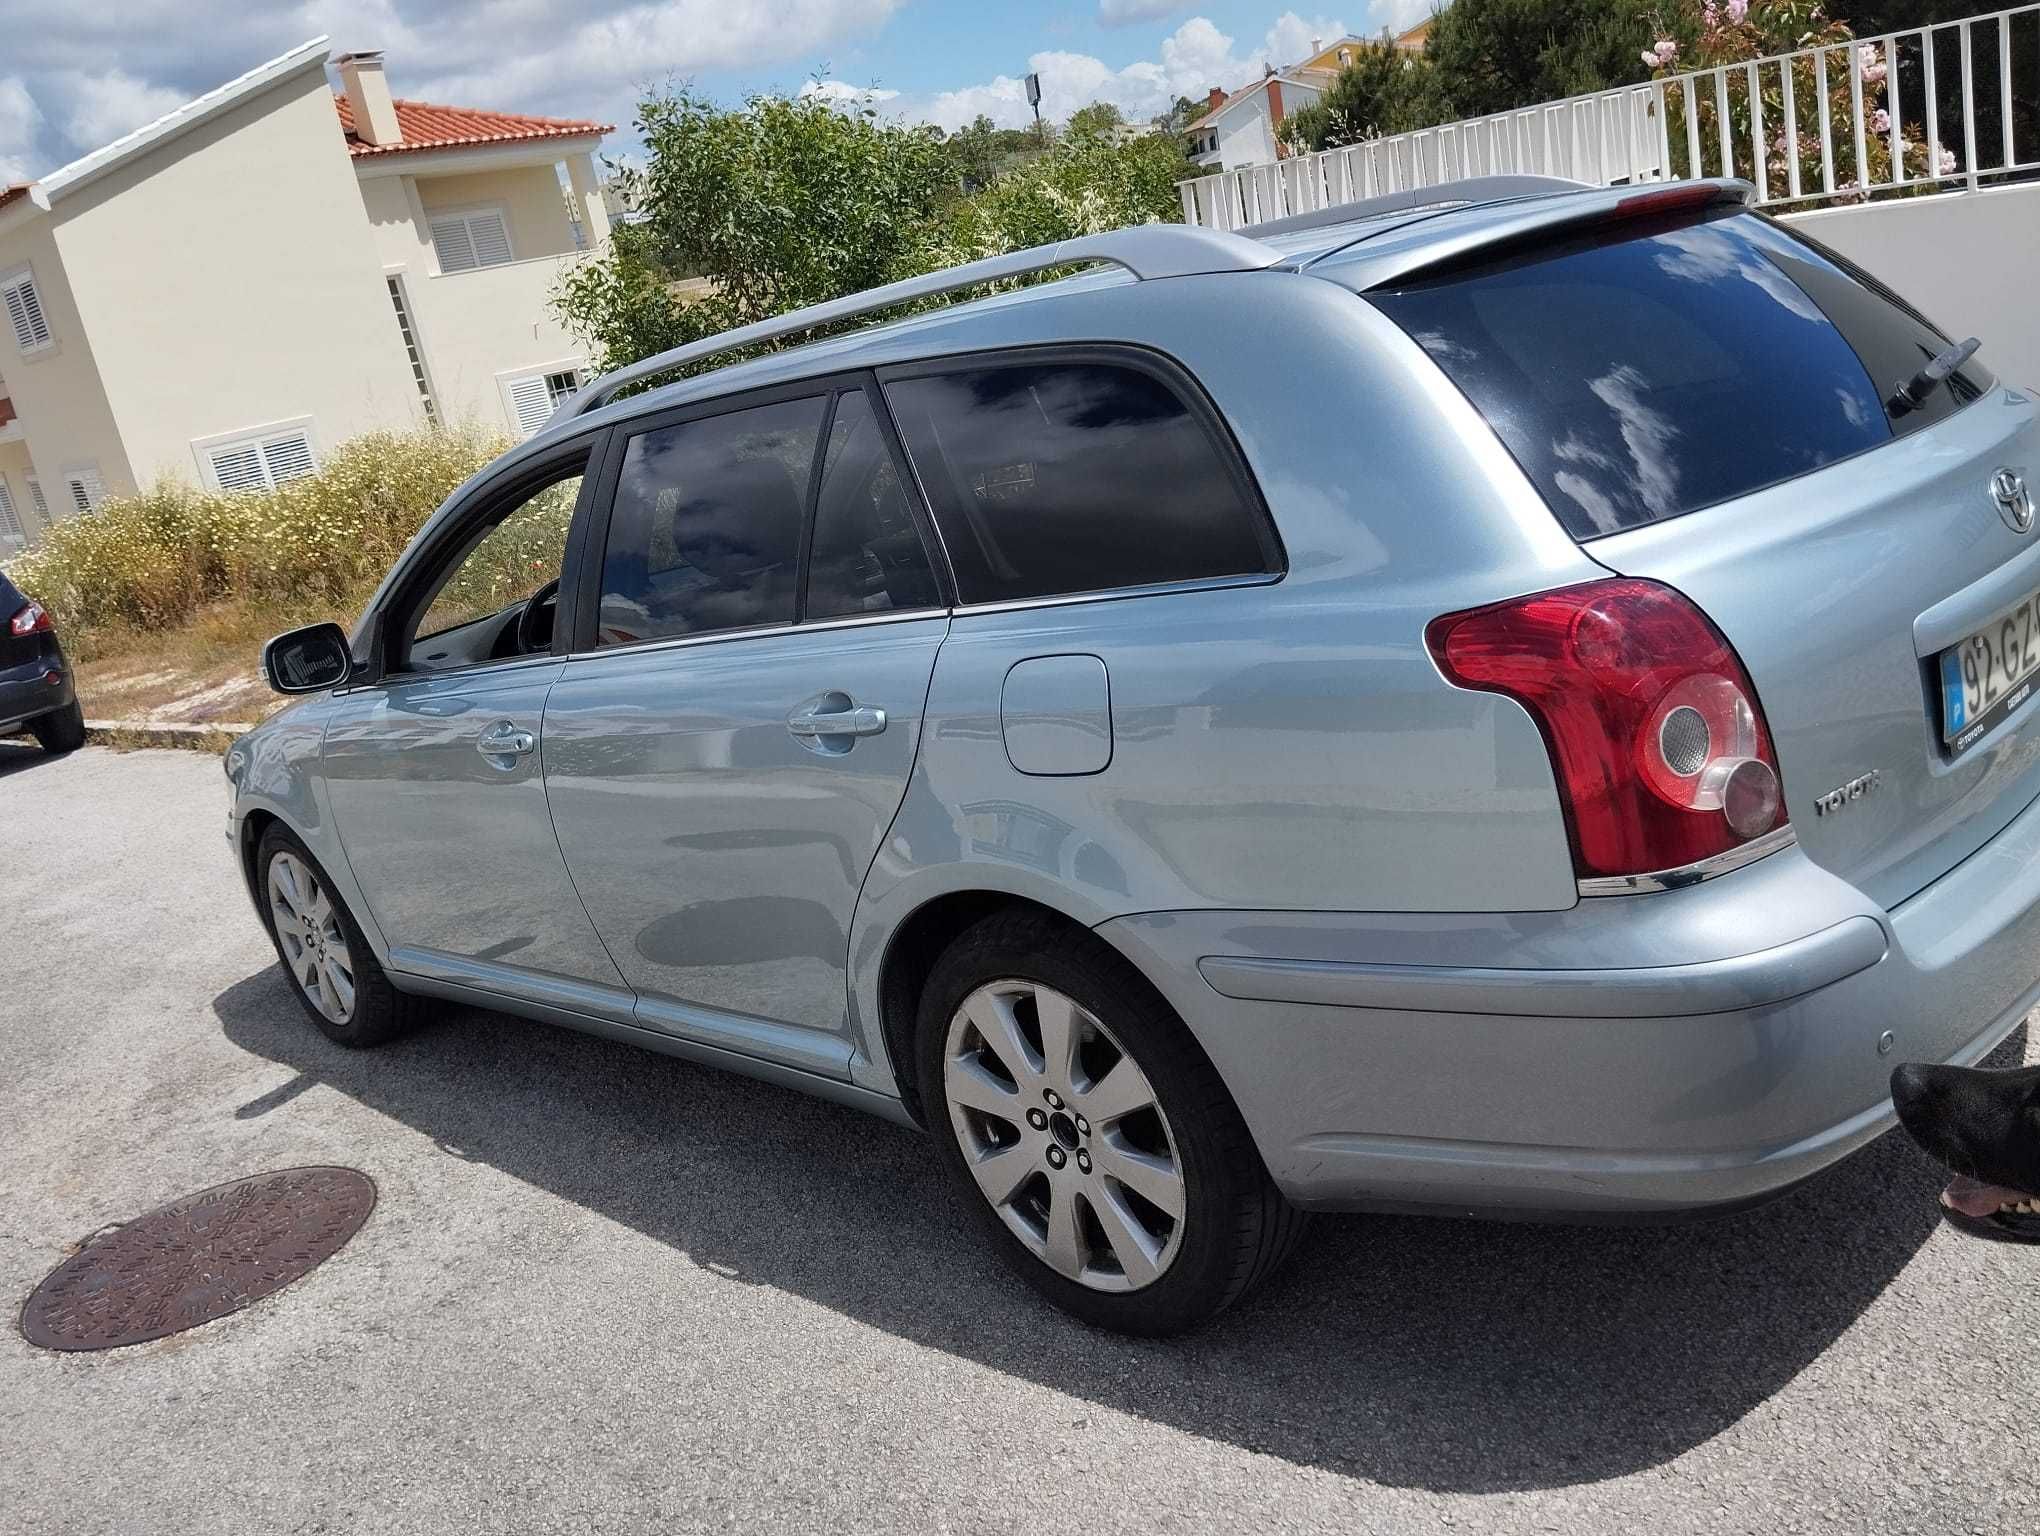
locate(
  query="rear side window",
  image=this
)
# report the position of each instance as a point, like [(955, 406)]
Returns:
[(705, 534), (1638, 377), (1055, 478)]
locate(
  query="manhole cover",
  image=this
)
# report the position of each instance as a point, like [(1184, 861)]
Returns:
[(197, 1258)]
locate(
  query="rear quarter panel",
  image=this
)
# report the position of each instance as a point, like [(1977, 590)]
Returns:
[(1288, 745)]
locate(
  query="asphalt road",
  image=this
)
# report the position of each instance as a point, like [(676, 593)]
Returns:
[(607, 1291)]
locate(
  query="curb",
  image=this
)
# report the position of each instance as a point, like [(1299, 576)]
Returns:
[(126, 735)]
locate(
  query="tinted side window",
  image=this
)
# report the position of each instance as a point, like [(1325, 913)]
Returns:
[(1054, 478), (705, 534), (867, 555), (1642, 372)]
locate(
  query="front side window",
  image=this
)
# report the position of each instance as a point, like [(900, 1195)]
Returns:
[(477, 609), (705, 532), (1055, 478)]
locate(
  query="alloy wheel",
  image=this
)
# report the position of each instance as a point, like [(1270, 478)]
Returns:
[(1064, 1135), (314, 944)]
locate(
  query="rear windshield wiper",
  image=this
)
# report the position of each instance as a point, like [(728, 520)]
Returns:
[(1912, 394)]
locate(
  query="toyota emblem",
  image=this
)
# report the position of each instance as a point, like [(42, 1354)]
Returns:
[(2015, 505)]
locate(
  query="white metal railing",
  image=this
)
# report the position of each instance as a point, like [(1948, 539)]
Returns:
[(1875, 106)]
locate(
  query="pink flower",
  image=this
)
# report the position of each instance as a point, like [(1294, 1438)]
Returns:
[(1948, 163), (1737, 10), (1871, 58), (1665, 51), (1649, 57), (1880, 121)]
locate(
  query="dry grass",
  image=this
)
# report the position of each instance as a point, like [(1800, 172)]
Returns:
[(164, 599)]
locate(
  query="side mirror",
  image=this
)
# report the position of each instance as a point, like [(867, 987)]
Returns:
[(308, 660)]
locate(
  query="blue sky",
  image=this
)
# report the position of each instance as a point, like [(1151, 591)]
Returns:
[(75, 75)]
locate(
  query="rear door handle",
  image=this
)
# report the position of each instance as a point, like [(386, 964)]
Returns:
[(857, 720), (502, 743)]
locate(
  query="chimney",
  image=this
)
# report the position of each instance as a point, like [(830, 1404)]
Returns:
[(1214, 99), (1317, 46), (368, 97)]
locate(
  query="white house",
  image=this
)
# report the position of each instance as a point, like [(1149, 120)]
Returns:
[(230, 291), (1241, 128)]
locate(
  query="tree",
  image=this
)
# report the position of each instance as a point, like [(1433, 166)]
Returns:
[(974, 151), (1382, 91), (1095, 121), (1497, 55), (780, 204)]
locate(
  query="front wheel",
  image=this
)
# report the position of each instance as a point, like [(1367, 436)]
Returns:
[(324, 952), (1090, 1133)]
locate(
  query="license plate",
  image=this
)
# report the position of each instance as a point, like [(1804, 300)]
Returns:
[(1990, 674)]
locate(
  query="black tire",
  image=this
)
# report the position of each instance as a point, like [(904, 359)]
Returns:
[(380, 1012), (1236, 1228), (61, 730)]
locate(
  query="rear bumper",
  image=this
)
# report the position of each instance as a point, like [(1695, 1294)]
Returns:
[(1706, 1047), (24, 694)]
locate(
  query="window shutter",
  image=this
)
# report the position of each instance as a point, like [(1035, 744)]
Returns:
[(86, 488), (237, 467), (25, 315), (37, 500), (531, 404), (288, 458), (491, 239), (10, 525), (450, 240)]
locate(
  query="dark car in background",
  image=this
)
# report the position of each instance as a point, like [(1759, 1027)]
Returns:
[(36, 691)]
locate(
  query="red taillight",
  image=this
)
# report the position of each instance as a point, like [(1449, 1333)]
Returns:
[(1660, 746), (32, 620)]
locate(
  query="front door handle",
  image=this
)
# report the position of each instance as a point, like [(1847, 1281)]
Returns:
[(812, 720), (502, 744)]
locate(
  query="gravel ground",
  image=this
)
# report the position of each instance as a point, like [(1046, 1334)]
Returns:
[(607, 1291)]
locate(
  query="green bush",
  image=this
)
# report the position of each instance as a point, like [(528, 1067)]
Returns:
[(151, 561)]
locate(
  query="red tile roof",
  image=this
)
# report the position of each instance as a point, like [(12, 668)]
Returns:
[(427, 126), (9, 194)]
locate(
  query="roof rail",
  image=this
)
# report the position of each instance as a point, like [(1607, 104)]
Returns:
[(1145, 250), (1443, 194)]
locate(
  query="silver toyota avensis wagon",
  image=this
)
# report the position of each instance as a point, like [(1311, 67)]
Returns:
[(1514, 702)]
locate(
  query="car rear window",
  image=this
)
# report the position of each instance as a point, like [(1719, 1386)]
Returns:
[(1642, 372), (1054, 478)]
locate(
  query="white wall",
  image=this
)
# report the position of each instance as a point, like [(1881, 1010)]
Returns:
[(228, 281), (1966, 260)]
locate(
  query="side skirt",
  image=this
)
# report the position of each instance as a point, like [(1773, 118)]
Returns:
[(885, 1106)]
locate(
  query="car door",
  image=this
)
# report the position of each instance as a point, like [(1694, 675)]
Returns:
[(733, 734), (434, 769)]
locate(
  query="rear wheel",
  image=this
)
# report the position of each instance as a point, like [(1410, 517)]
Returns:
[(61, 730), (1090, 1133), (324, 952)]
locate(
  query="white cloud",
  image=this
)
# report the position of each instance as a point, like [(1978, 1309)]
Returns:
[(837, 94), (18, 117), (1194, 58), (103, 107), (1124, 13)]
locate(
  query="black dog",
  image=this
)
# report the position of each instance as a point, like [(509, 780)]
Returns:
[(1985, 1126)]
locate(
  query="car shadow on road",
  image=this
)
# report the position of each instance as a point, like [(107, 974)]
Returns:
[(1417, 1352), (19, 754)]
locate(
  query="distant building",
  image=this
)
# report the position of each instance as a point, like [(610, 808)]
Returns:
[(231, 291), (1241, 128)]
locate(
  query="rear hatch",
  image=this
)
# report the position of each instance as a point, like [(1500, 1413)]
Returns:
[(1706, 400)]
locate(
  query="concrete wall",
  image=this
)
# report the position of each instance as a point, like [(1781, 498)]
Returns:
[(228, 281), (65, 416), (1966, 260)]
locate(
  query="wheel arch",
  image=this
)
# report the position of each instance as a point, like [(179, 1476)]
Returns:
[(918, 941)]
